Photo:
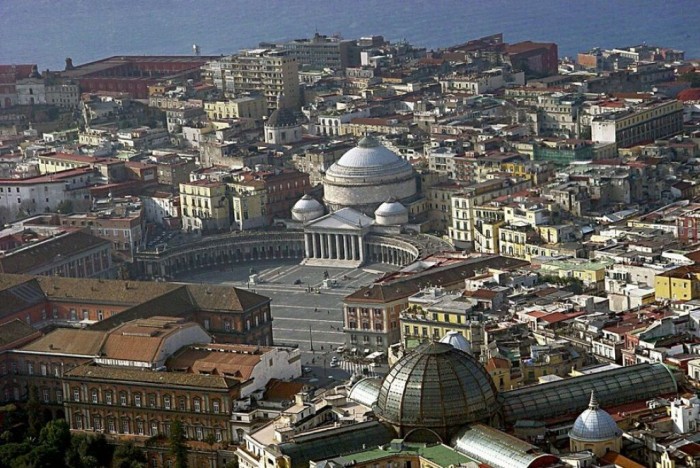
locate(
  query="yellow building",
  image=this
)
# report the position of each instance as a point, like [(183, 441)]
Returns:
[(680, 284), (249, 209), (249, 107), (205, 206), (590, 272), (500, 370), (432, 313)]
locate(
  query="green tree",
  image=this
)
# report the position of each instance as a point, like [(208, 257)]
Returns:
[(9, 453), (232, 463), (129, 456), (692, 77), (89, 452), (178, 444), (56, 434), (65, 207), (34, 419)]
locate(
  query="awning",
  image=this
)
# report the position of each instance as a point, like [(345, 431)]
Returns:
[(375, 355), (366, 350)]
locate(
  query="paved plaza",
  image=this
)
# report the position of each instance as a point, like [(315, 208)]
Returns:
[(304, 314)]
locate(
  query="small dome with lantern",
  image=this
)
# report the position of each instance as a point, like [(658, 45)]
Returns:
[(307, 209)]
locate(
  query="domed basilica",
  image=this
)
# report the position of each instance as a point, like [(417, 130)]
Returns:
[(368, 190), (367, 176)]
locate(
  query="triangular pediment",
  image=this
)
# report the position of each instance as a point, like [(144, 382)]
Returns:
[(344, 219)]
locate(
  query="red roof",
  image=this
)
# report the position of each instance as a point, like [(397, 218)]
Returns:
[(690, 94), (557, 317)]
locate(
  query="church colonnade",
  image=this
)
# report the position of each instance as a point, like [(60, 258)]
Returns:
[(334, 246)]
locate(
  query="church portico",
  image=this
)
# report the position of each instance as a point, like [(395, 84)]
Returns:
[(337, 239)]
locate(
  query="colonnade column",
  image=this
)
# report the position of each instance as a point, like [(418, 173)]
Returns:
[(329, 246), (338, 250), (353, 247), (360, 246), (346, 249), (307, 245), (321, 241)]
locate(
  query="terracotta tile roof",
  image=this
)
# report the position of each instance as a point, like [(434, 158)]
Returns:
[(224, 298), (497, 363), (45, 252), (557, 317), (18, 293), (692, 449), (443, 276), (142, 340), (103, 291), (218, 360), (279, 390), (481, 294), (620, 461), (175, 303), (15, 331), (150, 378), (69, 341)]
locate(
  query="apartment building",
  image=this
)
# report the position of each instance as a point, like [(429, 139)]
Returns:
[(244, 107), (204, 206), (463, 204), (267, 72), (645, 123)]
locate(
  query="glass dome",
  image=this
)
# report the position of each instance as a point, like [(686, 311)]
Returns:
[(436, 387)]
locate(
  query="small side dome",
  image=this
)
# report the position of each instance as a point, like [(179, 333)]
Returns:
[(457, 341), (307, 209), (594, 424), (282, 118), (391, 212)]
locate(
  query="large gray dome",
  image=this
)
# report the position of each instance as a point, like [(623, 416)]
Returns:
[(594, 424), (368, 152), (366, 176), (436, 387)]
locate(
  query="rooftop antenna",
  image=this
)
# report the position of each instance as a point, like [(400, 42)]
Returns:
[(196, 50)]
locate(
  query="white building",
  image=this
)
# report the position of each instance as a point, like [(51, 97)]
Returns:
[(159, 206), (41, 194)]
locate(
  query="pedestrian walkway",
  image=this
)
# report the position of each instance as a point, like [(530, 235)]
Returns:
[(356, 368)]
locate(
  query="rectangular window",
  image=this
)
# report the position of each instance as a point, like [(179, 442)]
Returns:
[(215, 407), (108, 398), (151, 401), (122, 399), (154, 428), (59, 396), (166, 402), (197, 406), (30, 368), (137, 400), (45, 395), (76, 394)]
